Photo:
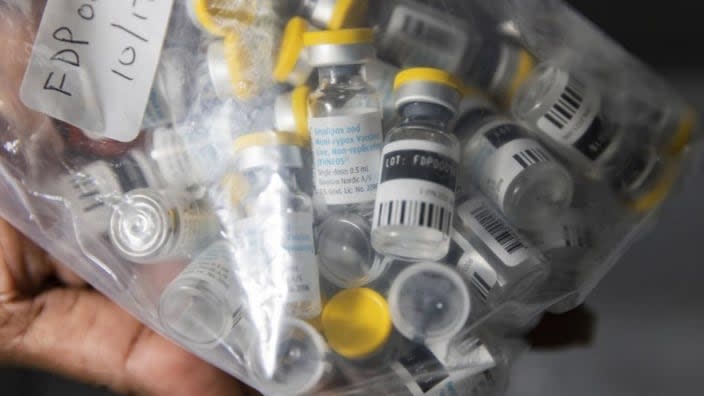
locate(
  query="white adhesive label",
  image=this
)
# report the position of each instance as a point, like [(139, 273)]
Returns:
[(503, 153), (496, 234), (215, 267), (93, 63), (475, 268), (276, 253), (417, 187), (197, 226), (347, 151), (418, 35)]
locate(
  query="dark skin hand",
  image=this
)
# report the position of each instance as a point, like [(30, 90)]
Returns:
[(49, 319)]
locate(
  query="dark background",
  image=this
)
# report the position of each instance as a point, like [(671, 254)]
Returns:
[(649, 333)]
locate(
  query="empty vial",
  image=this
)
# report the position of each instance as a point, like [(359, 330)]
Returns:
[(569, 115), (512, 168), (357, 325), (345, 120), (295, 361), (152, 226), (204, 302), (275, 237), (416, 194), (492, 256), (429, 302), (345, 252), (335, 14)]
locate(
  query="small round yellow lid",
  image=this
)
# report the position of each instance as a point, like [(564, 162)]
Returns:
[(268, 138), (357, 322), (349, 14), (291, 47), (299, 103), (427, 74), (338, 37)]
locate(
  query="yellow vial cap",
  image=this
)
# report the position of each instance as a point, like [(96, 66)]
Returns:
[(357, 322), (239, 65), (338, 37), (268, 138), (526, 64), (349, 14), (683, 133), (427, 74), (660, 190), (291, 48), (215, 17)]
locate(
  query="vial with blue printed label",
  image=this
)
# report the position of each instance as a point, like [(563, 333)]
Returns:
[(416, 195), (345, 120)]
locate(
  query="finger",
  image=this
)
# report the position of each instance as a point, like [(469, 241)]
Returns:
[(66, 275), (24, 268), (81, 334)]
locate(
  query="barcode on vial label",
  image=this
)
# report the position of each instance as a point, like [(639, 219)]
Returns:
[(498, 230), (568, 105), (89, 192), (531, 157), (414, 214), (481, 285)]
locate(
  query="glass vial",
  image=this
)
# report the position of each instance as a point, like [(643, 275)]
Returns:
[(345, 253), (346, 120), (416, 194), (490, 254), (569, 115), (335, 14), (429, 302), (203, 303), (513, 169), (152, 226), (275, 238), (295, 361)]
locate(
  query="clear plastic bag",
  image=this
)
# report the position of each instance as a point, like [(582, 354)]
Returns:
[(335, 196)]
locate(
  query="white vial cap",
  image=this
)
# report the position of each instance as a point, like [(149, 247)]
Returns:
[(429, 302), (339, 47)]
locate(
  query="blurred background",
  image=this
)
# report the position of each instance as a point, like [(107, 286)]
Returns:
[(648, 336)]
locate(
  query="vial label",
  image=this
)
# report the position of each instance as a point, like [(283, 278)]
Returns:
[(90, 187), (475, 268), (214, 267), (346, 150), (573, 119), (503, 154), (91, 58), (419, 34), (417, 187), (168, 152), (498, 235), (277, 254), (197, 226)]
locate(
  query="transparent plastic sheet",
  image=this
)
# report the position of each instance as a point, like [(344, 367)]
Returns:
[(220, 236)]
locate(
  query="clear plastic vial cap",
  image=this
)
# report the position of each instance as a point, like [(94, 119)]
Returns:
[(293, 363), (140, 225), (429, 302), (345, 253), (339, 47)]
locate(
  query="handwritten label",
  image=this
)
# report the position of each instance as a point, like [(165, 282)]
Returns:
[(94, 61)]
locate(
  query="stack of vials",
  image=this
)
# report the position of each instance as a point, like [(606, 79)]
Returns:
[(370, 197)]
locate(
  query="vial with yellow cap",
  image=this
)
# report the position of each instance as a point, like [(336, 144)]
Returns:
[(345, 120), (335, 14), (357, 325), (416, 197), (275, 238), (218, 17), (203, 303), (512, 168), (295, 361)]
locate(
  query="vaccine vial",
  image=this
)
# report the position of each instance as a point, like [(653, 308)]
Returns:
[(345, 120), (295, 361), (518, 174), (490, 254), (416, 195), (152, 226), (570, 116), (357, 325), (204, 302), (335, 14), (429, 302), (345, 253), (275, 238)]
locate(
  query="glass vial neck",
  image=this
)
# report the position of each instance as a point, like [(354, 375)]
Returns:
[(340, 75), (429, 114)]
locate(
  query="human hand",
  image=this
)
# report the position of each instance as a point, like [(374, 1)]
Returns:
[(51, 320)]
